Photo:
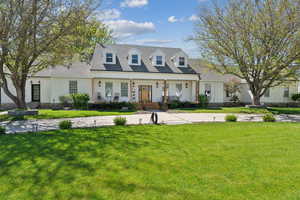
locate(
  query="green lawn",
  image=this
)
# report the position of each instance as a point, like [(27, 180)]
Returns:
[(274, 110), (56, 114), (214, 161)]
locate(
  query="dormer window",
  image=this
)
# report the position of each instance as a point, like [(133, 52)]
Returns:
[(109, 58), (159, 60), (181, 61), (134, 59)]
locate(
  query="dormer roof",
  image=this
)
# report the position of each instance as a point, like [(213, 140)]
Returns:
[(122, 51)]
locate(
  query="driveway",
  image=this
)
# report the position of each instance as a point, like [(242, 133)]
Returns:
[(163, 117)]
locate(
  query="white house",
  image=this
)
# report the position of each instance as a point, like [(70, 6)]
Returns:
[(139, 74)]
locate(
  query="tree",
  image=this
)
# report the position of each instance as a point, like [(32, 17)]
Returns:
[(36, 34), (255, 40)]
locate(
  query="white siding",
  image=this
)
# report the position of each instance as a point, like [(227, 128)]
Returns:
[(217, 90)]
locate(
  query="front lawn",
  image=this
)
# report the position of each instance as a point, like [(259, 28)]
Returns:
[(274, 110), (56, 114), (205, 161)]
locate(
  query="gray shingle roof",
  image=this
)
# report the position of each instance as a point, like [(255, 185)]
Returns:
[(122, 53)]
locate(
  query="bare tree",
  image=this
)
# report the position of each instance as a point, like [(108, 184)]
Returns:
[(255, 40), (36, 34)]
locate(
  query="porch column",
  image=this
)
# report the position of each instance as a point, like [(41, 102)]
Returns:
[(130, 90), (93, 91), (165, 92), (197, 91)]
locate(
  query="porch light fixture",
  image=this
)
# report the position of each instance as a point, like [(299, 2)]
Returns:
[(157, 84), (186, 85), (99, 83)]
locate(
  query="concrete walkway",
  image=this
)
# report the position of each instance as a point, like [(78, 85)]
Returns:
[(164, 117)]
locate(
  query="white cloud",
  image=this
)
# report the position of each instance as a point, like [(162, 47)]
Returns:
[(125, 28), (172, 19), (134, 3), (108, 14), (154, 41), (194, 18)]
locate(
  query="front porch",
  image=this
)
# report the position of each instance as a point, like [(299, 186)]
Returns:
[(143, 91)]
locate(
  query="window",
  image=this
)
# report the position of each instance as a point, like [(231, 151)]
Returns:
[(181, 61), (135, 59), (286, 92), (124, 89), (73, 87), (108, 89), (267, 93), (35, 93), (159, 60), (109, 58), (178, 89)]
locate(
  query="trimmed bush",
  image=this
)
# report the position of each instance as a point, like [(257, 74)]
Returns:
[(269, 118), (230, 118), (65, 100), (296, 97), (175, 104), (80, 101), (203, 101), (66, 124), (2, 130), (120, 121)]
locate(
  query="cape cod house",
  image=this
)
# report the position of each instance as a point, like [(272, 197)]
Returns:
[(139, 74)]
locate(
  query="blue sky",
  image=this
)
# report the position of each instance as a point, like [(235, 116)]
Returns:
[(154, 22)]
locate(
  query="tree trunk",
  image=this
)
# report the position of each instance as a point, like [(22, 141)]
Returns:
[(256, 100), (20, 100)]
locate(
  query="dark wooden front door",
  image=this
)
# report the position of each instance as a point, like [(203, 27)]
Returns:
[(35, 93), (145, 93)]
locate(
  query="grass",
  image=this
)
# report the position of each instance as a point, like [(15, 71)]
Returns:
[(56, 114), (274, 110), (207, 161)]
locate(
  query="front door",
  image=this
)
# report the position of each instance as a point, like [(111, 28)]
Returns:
[(35, 93), (145, 93)]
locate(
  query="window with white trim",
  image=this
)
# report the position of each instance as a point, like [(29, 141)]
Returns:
[(178, 89), (109, 57), (159, 60), (124, 89), (73, 88), (286, 92), (135, 59), (181, 61), (108, 89)]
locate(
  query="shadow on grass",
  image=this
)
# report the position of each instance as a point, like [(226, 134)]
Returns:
[(47, 160)]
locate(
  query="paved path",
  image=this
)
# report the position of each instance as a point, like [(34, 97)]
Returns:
[(164, 117)]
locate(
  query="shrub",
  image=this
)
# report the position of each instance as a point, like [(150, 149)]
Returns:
[(65, 100), (2, 130), (120, 121), (80, 101), (269, 118), (203, 101), (175, 104), (115, 106), (296, 97), (235, 99), (230, 118), (66, 124)]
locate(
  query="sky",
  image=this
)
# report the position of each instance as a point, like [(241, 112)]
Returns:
[(167, 23)]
